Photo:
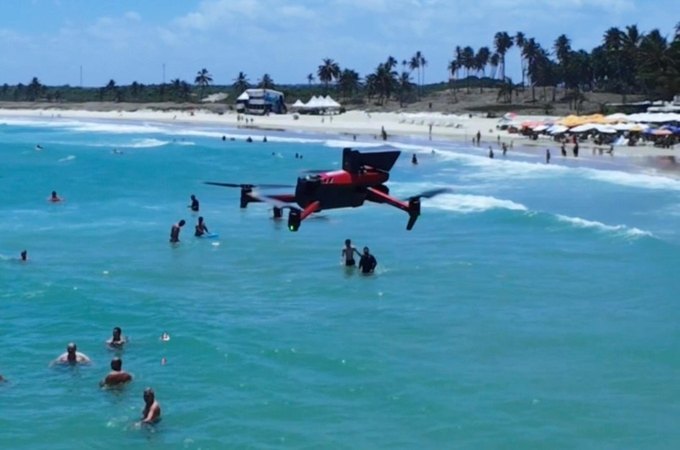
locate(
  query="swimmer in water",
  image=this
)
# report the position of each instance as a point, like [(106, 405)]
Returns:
[(414, 159), (117, 376), (367, 263), (72, 356), (117, 339), (201, 228), (174, 231), (24, 255), (194, 203), (152, 409), (348, 253), (165, 336), (54, 198)]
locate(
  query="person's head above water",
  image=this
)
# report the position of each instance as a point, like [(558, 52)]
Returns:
[(24, 255), (193, 197), (116, 364), (348, 242), (116, 333), (181, 223), (200, 219), (149, 395), (365, 250)]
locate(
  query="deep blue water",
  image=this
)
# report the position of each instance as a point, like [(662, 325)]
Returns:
[(536, 306)]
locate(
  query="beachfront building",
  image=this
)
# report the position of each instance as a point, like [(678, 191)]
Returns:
[(261, 102)]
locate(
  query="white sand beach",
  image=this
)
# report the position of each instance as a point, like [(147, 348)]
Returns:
[(363, 125)]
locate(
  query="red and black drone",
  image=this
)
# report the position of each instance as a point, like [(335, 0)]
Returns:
[(361, 179)]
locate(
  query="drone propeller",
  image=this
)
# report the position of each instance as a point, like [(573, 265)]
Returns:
[(430, 193), (248, 186)]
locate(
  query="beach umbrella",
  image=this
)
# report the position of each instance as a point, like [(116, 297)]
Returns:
[(557, 129), (583, 128)]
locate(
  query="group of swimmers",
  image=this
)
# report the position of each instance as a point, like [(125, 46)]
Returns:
[(367, 262), (201, 228), (117, 377)]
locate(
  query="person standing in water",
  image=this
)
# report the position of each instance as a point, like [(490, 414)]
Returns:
[(152, 409), (117, 339), (348, 253), (117, 376), (547, 156), (367, 263), (54, 198), (174, 231), (72, 356), (201, 228), (194, 203)]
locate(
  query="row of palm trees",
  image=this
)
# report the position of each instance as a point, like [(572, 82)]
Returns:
[(627, 61)]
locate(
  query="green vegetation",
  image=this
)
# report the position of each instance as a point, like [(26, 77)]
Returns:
[(627, 62)]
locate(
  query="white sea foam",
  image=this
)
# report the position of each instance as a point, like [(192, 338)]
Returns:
[(67, 158), (471, 203), (145, 143), (637, 180), (622, 230)]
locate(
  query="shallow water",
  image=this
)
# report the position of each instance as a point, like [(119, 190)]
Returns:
[(534, 307)]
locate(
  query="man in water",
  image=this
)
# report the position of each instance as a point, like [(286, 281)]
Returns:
[(367, 263), (414, 159), (152, 409), (54, 198), (201, 228), (547, 156), (24, 255), (72, 356), (194, 203), (174, 231), (117, 339), (348, 253), (117, 376)]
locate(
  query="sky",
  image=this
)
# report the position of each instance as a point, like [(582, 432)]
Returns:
[(151, 41)]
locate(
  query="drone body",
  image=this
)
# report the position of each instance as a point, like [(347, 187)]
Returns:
[(362, 178)]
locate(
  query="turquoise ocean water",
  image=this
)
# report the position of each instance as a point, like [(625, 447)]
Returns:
[(536, 306)]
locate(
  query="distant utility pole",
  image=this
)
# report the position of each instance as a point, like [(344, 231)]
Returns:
[(163, 73), (81, 76)]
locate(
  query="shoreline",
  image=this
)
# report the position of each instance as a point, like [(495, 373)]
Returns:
[(432, 127)]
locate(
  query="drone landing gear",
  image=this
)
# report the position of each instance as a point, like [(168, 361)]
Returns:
[(296, 216), (413, 212)]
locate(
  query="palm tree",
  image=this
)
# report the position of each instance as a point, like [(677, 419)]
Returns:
[(531, 52), (503, 42), (404, 87), (241, 83), (468, 62), (520, 40), (656, 63), (348, 83), (481, 60), (493, 62), (203, 79), (266, 82), (327, 72), (414, 64), (310, 79), (562, 51), (34, 89)]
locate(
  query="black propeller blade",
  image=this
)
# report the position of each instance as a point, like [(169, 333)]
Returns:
[(248, 186), (431, 193)]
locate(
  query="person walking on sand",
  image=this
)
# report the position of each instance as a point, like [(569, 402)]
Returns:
[(383, 133)]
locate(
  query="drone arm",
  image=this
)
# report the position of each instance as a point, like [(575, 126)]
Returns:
[(412, 207), (374, 195)]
